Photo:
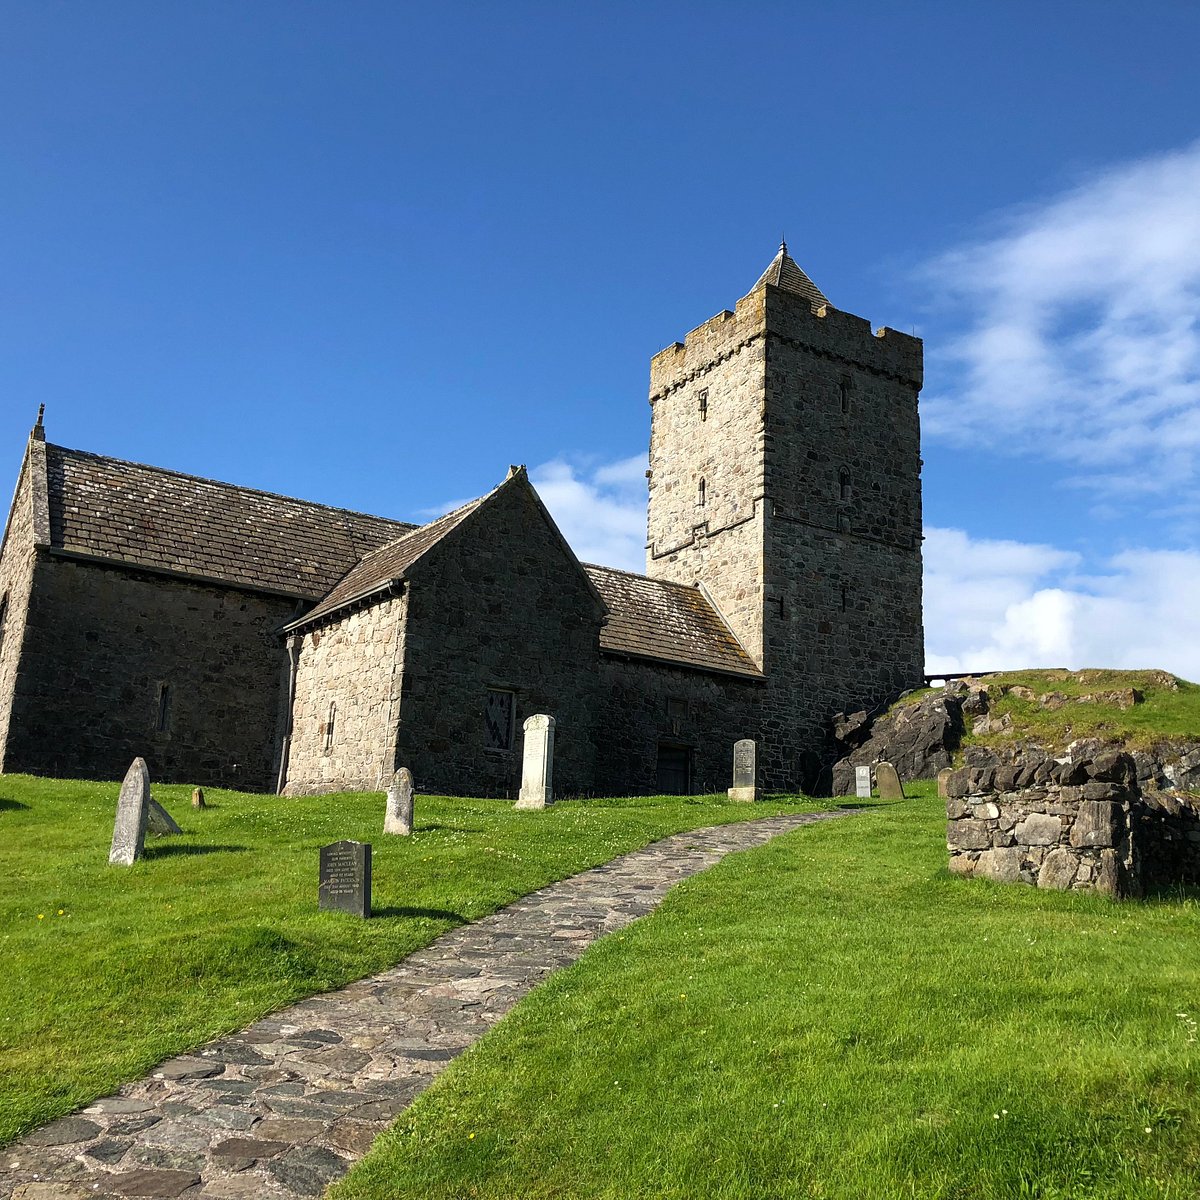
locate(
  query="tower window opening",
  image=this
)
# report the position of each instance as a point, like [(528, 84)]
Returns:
[(3, 617), (703, 404), (844, 391), (702, 494), (162, 718), (843, 597), (844, 484)]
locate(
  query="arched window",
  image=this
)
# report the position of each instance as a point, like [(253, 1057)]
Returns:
[(703, 404), (844, 388), (844, 484), (702, 494)]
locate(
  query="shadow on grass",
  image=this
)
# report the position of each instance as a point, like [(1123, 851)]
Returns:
[(174, 849), (434, 827), (11, 805), (428, 914)]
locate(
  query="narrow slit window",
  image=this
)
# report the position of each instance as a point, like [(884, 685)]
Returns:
[(3, 617), (843, 597), (844, 388), (702, 494), (703, 404), (844, 484), (329, 724), (162, 719)]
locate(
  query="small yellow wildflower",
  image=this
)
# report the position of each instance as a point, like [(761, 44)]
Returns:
[(470, 1137), (41, 916)]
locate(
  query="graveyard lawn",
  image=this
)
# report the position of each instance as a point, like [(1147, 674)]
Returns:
[(108, 970), (833, 1015)]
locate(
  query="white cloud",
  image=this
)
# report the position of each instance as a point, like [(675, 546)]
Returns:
[(993, 605), (601, 511), (1082, 335)]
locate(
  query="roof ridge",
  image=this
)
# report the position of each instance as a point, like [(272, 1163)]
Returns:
[(334, 508)]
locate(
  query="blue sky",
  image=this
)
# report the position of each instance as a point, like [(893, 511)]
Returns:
[(371, 254)]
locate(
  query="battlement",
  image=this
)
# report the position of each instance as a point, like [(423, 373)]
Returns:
[(770, 311)]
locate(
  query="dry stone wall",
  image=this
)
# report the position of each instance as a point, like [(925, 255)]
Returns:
[(1060, 825)]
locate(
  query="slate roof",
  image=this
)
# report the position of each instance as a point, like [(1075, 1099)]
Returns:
[(784, 273), (387, 563), (669, 622), (147, 517)]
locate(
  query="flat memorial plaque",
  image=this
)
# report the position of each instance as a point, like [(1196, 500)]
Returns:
[(345, 879)]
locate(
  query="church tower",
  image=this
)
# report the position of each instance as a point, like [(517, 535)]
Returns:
[(785, 479)]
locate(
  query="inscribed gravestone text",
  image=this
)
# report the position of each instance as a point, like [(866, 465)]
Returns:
[(345, 878)]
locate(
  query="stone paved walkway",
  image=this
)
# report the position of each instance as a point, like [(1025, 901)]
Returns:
[(282, 1109)]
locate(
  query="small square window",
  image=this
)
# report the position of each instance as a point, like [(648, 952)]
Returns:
[(498, 713)]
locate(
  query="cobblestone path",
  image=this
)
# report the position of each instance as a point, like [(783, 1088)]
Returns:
[(283, 1108)]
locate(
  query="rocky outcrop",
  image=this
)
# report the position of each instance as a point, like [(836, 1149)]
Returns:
[(919, 739)]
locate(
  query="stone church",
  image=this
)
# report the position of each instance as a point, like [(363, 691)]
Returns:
[(234, 637)]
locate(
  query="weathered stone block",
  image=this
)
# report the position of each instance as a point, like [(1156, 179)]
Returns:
[(958, 783), (969, 835), (1102, 791), (1002, 865), (1098, 824), (1058, 870), (956, 808), (1039, 829)]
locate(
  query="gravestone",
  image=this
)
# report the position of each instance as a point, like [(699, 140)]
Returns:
[(862, 782), (399, 815), (198, 798), (344, 884), (158, 820), (537, 763), (745, 771), (129, 829), (888, 782), (943, 780)]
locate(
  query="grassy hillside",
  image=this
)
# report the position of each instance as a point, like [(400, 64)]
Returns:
[(109, 970), (1054, 708), (834, 1016)]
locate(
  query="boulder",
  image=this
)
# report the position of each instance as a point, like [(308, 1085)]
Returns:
[(1058, 870)]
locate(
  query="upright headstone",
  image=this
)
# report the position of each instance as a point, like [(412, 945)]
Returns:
[(745, 771), (129, 830), (399, 815), (943, 780), (888, 782), (198, 798), (345, 879), (537, 763), (158, 820), (862, 782)]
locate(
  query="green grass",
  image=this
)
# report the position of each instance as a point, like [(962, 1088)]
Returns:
[(1169, 714), (108, 970), (833, 1015)]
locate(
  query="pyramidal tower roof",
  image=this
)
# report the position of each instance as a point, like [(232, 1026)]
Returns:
[(784, 273)]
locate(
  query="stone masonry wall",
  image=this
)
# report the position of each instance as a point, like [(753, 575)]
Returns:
[(809, 538), (100, 643), (499, 604), (644, 704), (719, 541), (16, 581), (348, 676), (1050, 824)]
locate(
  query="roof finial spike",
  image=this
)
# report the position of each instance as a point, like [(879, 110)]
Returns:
[(38, 433), (41, 414), (782, 244)]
